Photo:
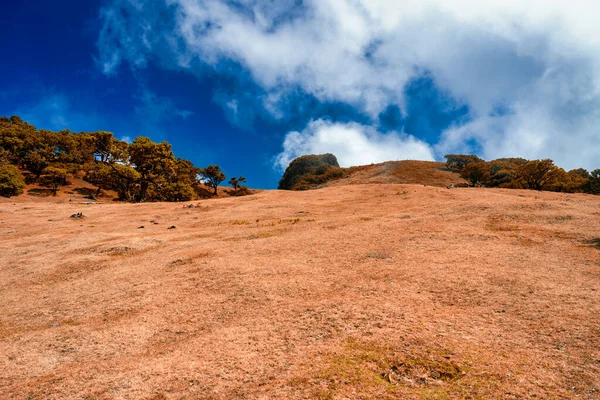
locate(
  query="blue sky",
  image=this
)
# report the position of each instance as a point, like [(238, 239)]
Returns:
[(251, 84)]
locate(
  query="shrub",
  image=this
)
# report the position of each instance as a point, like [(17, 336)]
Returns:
[(178, 191), (11, 181)]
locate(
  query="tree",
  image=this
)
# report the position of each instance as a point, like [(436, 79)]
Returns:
[(55, 177), (538, 174), (476, 173), (106, 147), (236, 182), (593, 186), (212, 176), (186, 172), (102, 176), (154, 162), (126, 182), (11, 181), (456, 162), (503, 173)]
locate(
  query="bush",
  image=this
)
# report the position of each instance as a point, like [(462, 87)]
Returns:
[(178, 191), (241, 191), (11, 181)]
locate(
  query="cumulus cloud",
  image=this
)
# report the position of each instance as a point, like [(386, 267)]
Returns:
[(528, 71), (352, 143)]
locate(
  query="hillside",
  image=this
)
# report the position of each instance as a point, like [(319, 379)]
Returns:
[(319, 171), (356, 291), (409, 171)]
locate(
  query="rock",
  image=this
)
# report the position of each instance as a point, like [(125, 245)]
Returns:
[(310, 170)]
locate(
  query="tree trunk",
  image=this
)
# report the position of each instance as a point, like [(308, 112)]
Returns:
[(143, 191)]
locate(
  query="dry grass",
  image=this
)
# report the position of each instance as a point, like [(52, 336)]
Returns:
[(345, 292), (405, 172)]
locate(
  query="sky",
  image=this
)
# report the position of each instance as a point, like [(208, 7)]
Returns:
[(252, 84)]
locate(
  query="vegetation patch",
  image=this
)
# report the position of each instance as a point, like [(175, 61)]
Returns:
[(519, 173), (379, 256), (499, 224), (595, 243), (264, 235), (240, 222), (117, 251), (375, 370), (139, 171)]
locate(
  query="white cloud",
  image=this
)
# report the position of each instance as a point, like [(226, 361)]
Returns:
[(537, 60), (352, 144)]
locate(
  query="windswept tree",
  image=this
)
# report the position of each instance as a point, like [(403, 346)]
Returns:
[(126, 182), (538, 174), (40, 149), (55, 177), (476, 173), (504, 172), (236, 182), (106, 147), (456, 162), (103, 176), (141, 171), (212, 176), (153, 161), (593, 185)]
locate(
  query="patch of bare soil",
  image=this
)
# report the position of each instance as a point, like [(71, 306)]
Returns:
[(362, 291)]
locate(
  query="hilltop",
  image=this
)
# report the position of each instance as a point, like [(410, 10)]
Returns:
[(353, 291), (428, 173), (459, 170), (319, 171)]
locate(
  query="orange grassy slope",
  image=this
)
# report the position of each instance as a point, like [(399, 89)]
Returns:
[(356, 292), (406, 172)]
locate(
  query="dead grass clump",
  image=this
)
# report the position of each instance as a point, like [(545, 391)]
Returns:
[(559, 218), (595, 243), (180, 261), (158, 396), (379, 256), (117, 251), (499, 224), (264, 235), (240, 222)]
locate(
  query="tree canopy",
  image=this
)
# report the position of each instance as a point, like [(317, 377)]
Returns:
[(519, 173), (139, 171)]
